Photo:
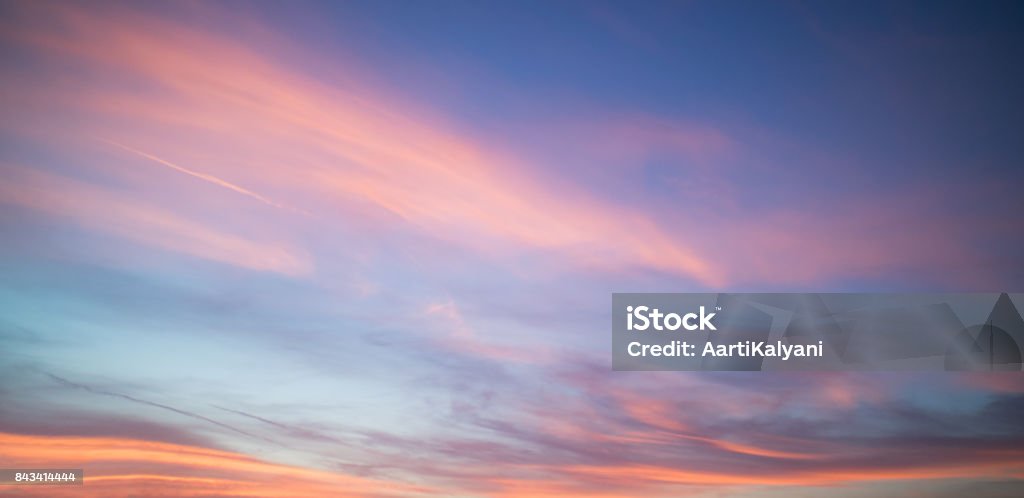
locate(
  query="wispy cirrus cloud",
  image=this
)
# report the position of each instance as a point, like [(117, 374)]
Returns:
[(106, 211), (592, 433), (350, 145), (643, 192), (161, 406)]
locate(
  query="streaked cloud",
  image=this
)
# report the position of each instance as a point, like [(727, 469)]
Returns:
[(136, 220), (350, 145), (124, 467), (312, 146)]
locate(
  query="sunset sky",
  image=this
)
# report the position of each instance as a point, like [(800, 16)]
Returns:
[(368, 248)]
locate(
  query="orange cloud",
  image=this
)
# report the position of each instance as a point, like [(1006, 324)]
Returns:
[(997, 382), (648, 475), (125, 467), (664, 424)]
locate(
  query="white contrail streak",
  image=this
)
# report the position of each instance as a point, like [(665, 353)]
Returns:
[(203, 176)]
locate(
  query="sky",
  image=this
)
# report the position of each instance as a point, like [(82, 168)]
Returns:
[(367, 248)]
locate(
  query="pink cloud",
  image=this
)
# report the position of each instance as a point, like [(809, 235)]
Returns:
[(141, 222), (336, 145), (222, 107)]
